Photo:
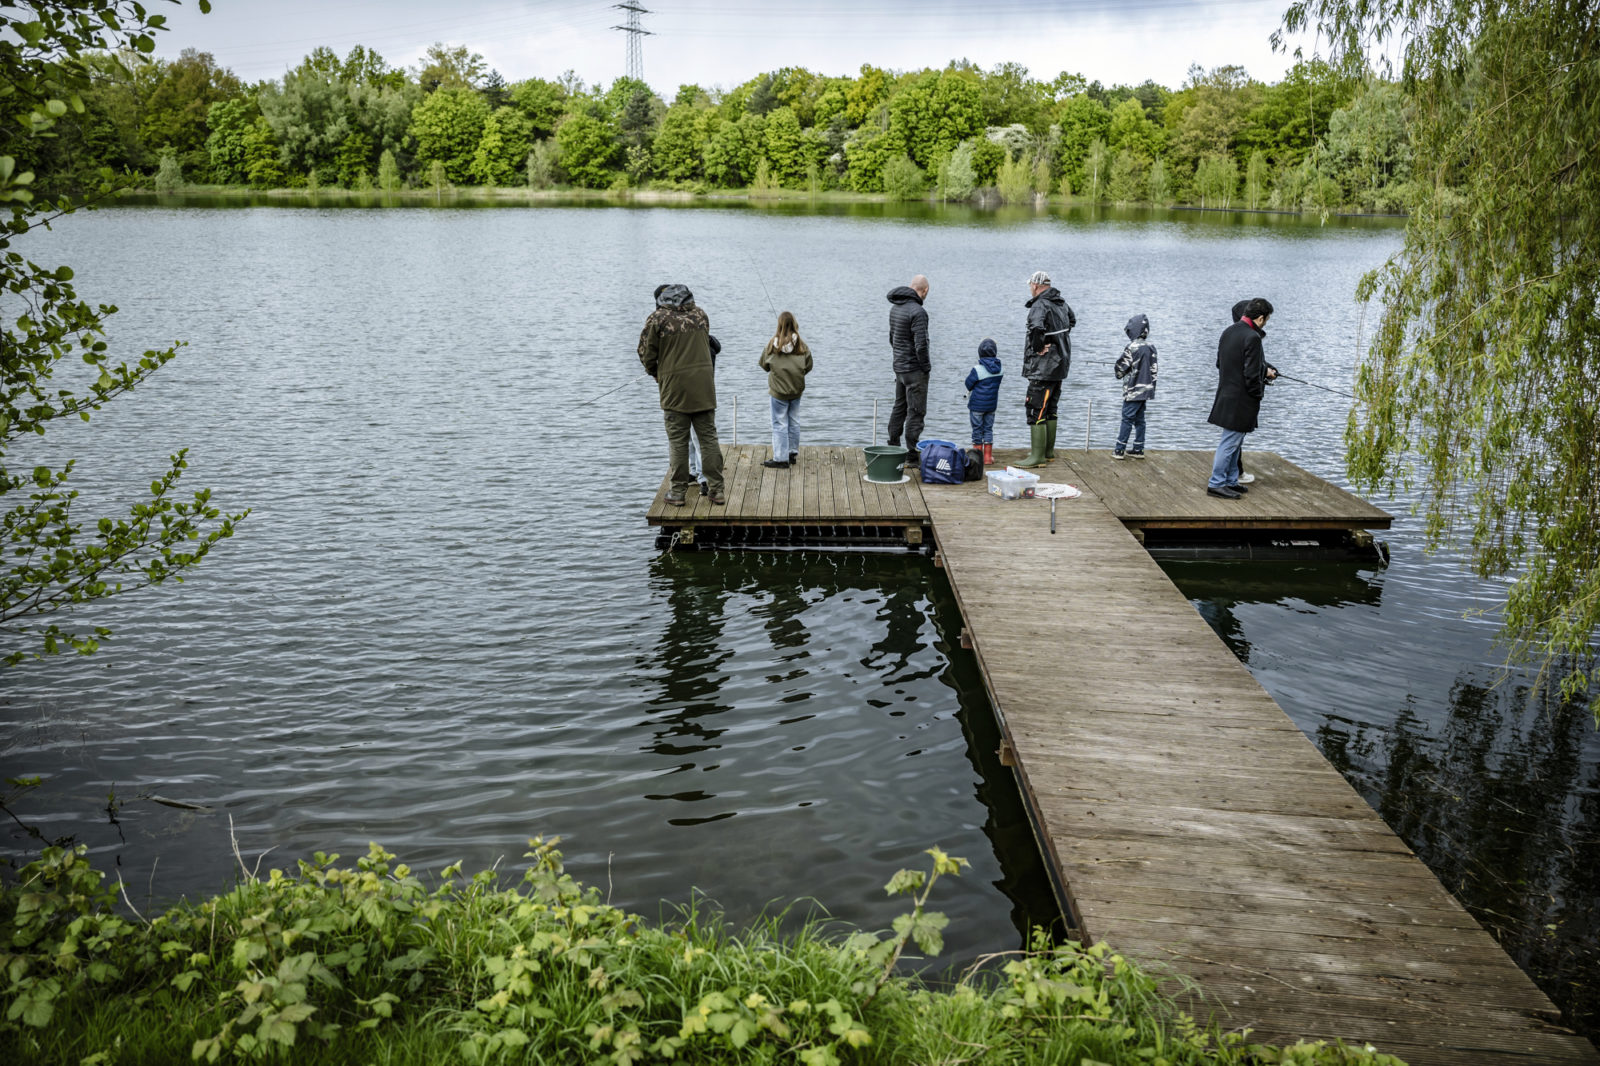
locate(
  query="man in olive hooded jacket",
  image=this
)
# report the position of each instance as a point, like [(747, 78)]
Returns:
[(675, 348)]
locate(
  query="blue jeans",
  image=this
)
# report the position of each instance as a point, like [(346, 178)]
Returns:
[(785, 427), (982, 426), (1225, 467), (1132, 418)]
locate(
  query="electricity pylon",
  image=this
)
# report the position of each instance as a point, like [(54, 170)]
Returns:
[(635, 34)]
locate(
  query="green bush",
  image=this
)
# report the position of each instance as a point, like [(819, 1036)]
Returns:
[(902, 179), (339, 965), (169, 174), (1015, 182)]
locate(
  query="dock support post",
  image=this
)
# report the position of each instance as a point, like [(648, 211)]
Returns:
[(966, 640), (1088, 420)]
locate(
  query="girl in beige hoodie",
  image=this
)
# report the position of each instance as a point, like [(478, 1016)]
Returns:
[(787, 361)]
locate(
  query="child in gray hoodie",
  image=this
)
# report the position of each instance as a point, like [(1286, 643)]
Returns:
[(1136, 369)]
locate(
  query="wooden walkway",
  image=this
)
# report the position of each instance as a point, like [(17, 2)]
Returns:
[(1186, 819)]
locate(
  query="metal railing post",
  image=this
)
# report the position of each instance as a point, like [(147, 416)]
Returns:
[(736, 420), (1088, 420), (874, 420)]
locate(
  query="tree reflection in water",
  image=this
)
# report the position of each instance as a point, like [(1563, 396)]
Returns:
[(1503, 804), (1493, 781), (801, 704)]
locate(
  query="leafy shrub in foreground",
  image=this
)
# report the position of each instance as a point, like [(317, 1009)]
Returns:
[(367, 964)]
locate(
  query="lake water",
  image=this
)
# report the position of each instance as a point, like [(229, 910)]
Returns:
[(445, 627)]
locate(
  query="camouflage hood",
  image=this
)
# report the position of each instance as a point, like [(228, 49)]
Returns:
[(677, 297)]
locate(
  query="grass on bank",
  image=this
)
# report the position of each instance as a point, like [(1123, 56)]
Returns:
[(662, 194), (366, 964)]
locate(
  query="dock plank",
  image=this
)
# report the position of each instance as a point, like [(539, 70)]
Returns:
[(794, 507)]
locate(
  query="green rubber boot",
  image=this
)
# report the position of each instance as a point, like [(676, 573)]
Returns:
[(1036, 456), (1050, 439)]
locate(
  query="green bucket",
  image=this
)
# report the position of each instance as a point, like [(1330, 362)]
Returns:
[(884, 462)]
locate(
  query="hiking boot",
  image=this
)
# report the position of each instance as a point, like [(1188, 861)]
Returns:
[(718, 498), (1118, 453), (1136, 453), (675, 499), (1224, 492)]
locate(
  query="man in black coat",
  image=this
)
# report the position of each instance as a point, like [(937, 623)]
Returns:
[(1242, 376), (1046, 358), (908, 339)]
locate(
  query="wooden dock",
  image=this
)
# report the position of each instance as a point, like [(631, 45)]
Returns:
[(1185, 818)]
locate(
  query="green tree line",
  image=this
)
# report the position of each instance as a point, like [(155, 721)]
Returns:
[(1317, 139)]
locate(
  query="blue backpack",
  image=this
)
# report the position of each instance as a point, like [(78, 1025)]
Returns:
[(942, 463)]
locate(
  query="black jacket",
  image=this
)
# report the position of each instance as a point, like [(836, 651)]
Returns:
[(1241, 378), (1050, 322), (908, 332)]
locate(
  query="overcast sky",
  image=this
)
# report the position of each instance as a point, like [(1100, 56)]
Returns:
[(725, 42)]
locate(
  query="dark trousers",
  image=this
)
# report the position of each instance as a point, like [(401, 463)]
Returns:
[(1043, 397), (1132, 418), (910, 407), (704, 424)]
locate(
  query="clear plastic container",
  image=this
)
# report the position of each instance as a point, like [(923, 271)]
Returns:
[(1026, 481), (1007, 486)]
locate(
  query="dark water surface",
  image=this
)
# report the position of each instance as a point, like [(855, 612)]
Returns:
[(445, 628)]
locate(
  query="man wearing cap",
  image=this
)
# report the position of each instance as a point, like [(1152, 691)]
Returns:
[(908, 339), (675, 349), (1046, 358)]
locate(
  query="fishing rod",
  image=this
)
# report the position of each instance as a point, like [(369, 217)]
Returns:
[(754, 266), (1314, 385), (619, 388), (1281, 376)]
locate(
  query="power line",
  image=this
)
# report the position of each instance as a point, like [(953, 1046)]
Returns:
[(635, 63)]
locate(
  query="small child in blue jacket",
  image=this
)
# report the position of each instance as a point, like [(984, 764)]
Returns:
[(983, 383), (1136, 369)]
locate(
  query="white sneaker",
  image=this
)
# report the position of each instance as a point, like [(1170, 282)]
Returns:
[(1247, 479)]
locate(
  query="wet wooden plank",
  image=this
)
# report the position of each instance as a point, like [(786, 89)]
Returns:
[(794, 507), (815, 481), (862, 502), (750, 484)]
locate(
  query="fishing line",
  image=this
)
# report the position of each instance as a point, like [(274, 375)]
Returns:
[(757, 268), (1314, 385), (619, 388)]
